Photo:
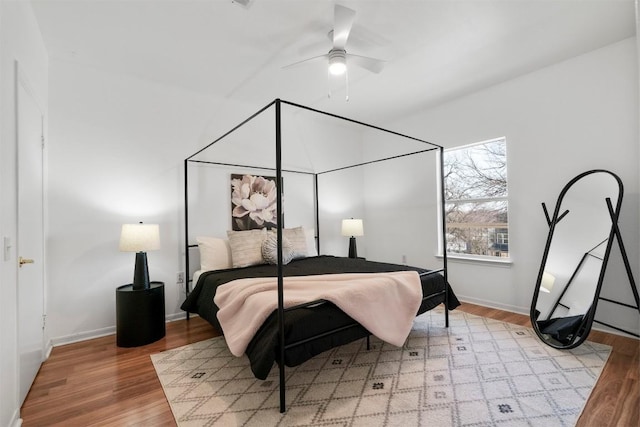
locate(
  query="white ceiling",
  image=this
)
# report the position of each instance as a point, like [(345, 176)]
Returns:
[(436, 49)]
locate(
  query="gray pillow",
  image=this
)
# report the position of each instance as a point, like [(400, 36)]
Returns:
[(270, 249)]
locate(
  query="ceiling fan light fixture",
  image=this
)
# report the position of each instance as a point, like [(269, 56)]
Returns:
[(337, 61)]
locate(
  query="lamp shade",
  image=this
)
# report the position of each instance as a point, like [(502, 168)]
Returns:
[(352, 227), (547, 282), (139, 237)]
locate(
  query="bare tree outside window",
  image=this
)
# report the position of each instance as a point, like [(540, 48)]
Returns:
[(476, 206)]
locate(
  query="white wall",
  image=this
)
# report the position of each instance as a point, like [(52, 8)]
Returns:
[(401, 201), (20, 40), (117, 145), (562, 120)]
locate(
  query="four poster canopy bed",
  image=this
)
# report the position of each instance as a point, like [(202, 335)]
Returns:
[(280, 294)]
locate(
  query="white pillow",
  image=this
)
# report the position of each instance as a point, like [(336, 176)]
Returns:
[(246, 247), (310, 235), (215, 253), (270, 249)]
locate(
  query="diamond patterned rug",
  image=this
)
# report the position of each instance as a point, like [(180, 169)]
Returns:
[(479, 372)]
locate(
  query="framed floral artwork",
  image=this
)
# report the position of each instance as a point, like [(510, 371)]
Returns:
[(253, 202)]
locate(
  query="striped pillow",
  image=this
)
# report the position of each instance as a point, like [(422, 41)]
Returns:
[(298, 239), (246, 247)]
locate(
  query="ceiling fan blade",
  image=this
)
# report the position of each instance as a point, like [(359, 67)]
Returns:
[(372, 64), (343, 19), (305, 61)]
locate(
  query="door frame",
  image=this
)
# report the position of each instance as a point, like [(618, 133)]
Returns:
[(21, 80)]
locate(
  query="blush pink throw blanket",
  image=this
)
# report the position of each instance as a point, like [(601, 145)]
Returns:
[(384, 303)]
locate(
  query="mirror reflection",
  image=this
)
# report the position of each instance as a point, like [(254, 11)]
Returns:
[(570, 274)]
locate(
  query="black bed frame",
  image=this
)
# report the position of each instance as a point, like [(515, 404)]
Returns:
[(278, 169)]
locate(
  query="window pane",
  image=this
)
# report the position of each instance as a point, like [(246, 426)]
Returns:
[(478, 228), (476, 199), (475, 172)]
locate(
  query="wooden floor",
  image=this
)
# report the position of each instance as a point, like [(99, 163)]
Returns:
[(97, 383)]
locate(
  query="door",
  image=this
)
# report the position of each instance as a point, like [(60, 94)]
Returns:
[(30, 237)]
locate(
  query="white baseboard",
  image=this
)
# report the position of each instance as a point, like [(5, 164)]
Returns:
[(177, 316), (16, 421), (47, 349), (526, 312), (83, 336), (97, 333), (602, 328), (493, 304)]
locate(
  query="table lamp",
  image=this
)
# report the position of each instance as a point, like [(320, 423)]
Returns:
[(352, 228), (140, 238)]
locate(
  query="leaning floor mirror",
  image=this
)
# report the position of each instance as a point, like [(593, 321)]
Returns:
[(582, 230)]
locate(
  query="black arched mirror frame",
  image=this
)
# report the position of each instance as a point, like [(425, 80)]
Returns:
[(574, 330)]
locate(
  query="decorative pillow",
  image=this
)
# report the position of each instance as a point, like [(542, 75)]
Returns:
[(298, 241), (246, 247), (270, 249), (215, 253)]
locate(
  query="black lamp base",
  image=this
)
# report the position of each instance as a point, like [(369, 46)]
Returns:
[(353, 252), (141, 273)]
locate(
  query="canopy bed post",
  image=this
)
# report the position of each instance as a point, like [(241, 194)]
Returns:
[(279, 252), (317, 213), (444, 236), (186, 229)]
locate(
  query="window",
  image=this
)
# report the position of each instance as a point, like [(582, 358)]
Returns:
[(476, 205)]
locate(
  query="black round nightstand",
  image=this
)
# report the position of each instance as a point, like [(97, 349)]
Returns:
[(140, 315)]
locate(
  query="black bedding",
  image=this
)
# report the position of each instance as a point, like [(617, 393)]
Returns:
[(303, 323)]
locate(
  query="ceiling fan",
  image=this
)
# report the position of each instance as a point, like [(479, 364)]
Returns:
[(338, 58)]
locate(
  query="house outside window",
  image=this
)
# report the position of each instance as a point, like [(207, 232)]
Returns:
[(476, 202)]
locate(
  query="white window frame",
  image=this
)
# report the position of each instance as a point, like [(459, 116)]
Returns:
[(473, 257)]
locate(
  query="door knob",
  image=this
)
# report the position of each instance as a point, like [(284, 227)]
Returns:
[(23, 261)]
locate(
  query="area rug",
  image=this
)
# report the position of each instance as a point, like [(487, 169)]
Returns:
[(478, 372)]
